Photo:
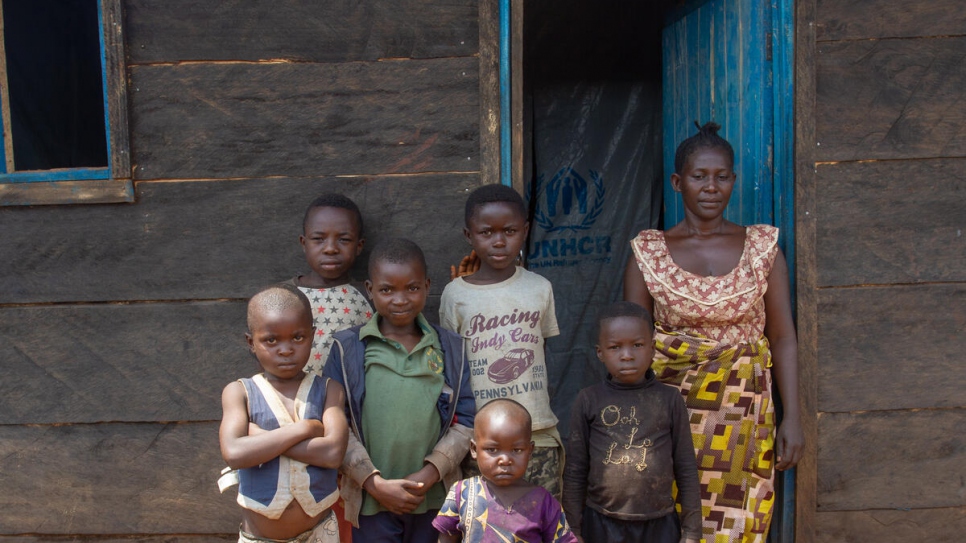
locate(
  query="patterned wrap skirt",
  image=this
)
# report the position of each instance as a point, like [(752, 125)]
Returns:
[(727, 390)]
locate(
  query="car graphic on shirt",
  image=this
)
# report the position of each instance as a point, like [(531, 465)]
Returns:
[(511, 366)]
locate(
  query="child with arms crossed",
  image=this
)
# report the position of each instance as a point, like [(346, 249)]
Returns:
[(409, 402), (629, 442), (506, 313), (499, 505), (283, 430)]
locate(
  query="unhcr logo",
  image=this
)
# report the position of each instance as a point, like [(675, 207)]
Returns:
[(566, 201), (566, 210)]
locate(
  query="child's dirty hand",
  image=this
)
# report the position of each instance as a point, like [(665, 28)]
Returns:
[(397, 495), (428, 476)]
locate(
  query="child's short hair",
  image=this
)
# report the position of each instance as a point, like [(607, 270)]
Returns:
[(624, 309), (506, 405), (488, 194), (277, 297), (397, 251), (706, 138), (334, 199)]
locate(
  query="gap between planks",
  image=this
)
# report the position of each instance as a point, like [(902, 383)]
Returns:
[(896, 410), (882, 38), (122, 302), (890, 285)]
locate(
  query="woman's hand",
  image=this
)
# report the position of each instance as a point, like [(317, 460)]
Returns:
[(789, 442)]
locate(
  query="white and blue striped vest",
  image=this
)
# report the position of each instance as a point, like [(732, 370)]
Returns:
[(270, 487)]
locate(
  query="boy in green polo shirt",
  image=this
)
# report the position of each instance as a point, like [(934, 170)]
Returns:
[(408, 401)]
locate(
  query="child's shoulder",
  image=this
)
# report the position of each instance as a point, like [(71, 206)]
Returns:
[(592, 391)]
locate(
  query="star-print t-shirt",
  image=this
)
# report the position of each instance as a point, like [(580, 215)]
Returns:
[(333, 309)]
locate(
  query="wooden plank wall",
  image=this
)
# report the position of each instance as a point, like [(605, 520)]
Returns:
[(120, 324), (882, 218)]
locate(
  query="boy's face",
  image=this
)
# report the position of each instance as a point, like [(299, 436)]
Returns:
[(331, 243), (282, 341), (502, 447), (497, 231), (398, 291), (624, 346)]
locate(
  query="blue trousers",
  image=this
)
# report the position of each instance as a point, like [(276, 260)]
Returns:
[(386, 527)]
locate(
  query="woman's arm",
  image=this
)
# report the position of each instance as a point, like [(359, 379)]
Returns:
[(241, 450), (780, 331), (328, 450), (635, 288)]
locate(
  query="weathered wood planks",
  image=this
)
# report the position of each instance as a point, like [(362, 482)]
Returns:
[(131, 362), (113, 479), (249, 120), (866, 19), (891, 99), (164, 538), (891, 222), (213, 239), (891, 459), (892, 526), (330, 31), (897, 347), (90, 191)]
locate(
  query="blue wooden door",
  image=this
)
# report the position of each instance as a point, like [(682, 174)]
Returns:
[(730, 61)]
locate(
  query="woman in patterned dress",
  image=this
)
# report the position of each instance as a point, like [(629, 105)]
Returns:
[(719, 293)]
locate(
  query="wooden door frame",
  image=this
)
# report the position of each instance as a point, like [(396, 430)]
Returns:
[(802, 188), (805, 265)]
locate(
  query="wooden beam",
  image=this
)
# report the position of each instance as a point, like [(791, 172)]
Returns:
[(489, 92), (891, 99), (904, 219), (5, 102), (138, 479), (116, 76), (858, 342), (299, 119), (90, 191), (134, 538), (806, 271), (295, 30), (879, 19), (891, 460), (120, 362), (214, 239), (516, 94), (892, 525)]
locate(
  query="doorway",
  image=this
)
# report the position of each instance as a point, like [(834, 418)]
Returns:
[(606, 90)]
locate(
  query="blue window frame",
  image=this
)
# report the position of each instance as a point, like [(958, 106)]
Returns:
[(63, 104)]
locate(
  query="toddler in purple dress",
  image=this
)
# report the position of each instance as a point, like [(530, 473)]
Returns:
[(499, 505)]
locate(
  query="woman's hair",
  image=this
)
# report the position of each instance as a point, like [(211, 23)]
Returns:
[(706, 138)]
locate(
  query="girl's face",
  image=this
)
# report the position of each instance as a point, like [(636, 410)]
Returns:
[(706, 182)]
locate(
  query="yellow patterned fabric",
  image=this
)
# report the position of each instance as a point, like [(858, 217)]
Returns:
[(727, 390), (710, 344)]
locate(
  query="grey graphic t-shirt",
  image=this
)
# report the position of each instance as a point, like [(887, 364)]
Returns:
[(505, 325)]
